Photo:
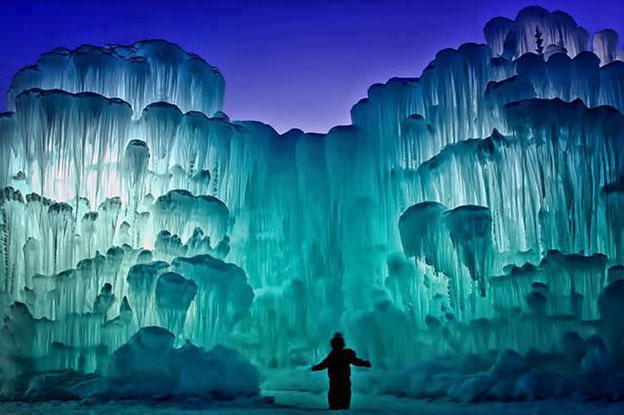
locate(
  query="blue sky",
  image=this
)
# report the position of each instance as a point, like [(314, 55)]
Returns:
[(285, 63)]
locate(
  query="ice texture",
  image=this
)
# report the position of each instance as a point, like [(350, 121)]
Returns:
[(475, 208), (605, 45), (556, 27), (141, 73), (149, 365)]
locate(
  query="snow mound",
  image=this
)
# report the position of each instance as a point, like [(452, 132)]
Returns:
[(582, 368), (149, 365)]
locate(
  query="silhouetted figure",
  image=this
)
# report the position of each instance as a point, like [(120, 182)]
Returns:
[(338, 367)]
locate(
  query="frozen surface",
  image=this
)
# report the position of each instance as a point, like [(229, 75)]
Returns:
[(465, 232), (301, 403)]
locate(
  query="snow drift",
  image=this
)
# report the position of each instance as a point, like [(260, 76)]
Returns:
[(148, 366)]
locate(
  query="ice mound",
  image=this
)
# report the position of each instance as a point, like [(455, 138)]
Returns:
[(150, 366), (511, 376)]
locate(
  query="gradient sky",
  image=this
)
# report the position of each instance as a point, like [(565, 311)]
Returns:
[(285, 64)]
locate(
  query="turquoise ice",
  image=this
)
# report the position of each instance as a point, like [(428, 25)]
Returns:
[(474, 208)]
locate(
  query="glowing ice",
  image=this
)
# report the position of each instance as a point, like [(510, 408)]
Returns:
[(477, 207)]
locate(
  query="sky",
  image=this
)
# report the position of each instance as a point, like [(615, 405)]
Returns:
[(286, 63)]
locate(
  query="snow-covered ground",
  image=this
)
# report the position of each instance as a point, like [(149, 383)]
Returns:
[(306, 403)]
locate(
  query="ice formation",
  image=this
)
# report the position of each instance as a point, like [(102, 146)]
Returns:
[(149, 364), (476, 208)]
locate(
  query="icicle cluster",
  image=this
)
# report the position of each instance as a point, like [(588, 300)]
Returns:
[(476, 207)]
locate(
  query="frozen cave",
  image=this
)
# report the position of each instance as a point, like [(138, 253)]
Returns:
[(465, 232)]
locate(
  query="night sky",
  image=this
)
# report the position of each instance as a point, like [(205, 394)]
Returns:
[(289, 66)]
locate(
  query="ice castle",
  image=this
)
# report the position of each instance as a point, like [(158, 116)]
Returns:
[(477, 207)]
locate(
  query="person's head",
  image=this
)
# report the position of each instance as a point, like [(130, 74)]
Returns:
[(337, 342)]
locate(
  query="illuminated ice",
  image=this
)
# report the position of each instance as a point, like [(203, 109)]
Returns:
[(475, 208)]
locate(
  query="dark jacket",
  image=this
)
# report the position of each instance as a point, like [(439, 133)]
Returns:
[(338, 364)]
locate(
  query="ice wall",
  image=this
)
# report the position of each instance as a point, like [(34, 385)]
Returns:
[(476, 207), (142, 73), (514, 38)]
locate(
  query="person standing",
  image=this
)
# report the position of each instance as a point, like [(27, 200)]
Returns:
[(338, 364)]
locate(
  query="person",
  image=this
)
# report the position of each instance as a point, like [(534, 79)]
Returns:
[(338, 367)]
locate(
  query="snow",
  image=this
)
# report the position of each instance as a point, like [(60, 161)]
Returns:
[(292, 403)]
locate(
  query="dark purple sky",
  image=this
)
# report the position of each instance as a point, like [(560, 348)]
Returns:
[(290, 66)]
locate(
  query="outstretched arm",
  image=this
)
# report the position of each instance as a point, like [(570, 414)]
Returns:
[(361, 362), (356, 361), (321, 366)]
